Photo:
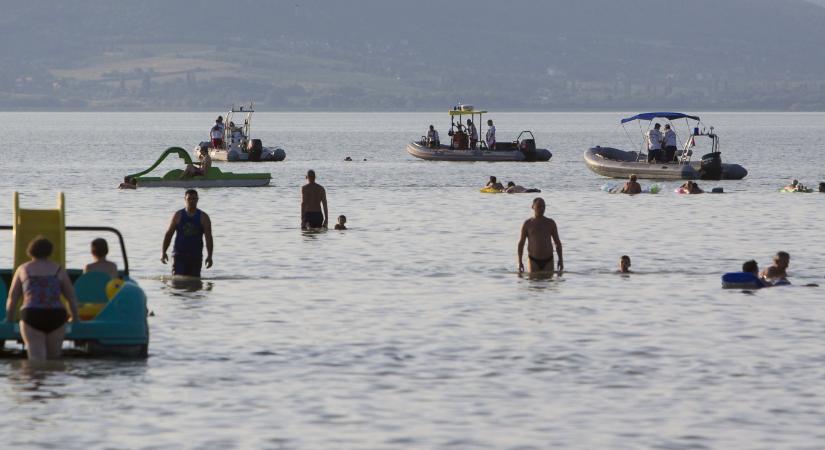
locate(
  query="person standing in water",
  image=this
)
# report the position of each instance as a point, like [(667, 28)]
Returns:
[(541, 233), (313, 202), (189, 226), (624, 264)]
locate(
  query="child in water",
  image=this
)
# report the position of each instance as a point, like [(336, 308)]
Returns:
[(341, 225), (100, 248)]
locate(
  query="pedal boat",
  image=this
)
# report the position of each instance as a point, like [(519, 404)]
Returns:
[(616, 163), (214, 177), (239, 147), (113, 312), (521, 149)]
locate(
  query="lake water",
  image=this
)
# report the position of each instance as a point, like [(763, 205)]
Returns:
[(413, 329)]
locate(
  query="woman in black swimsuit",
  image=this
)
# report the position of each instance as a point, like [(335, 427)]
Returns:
[(40, 283)]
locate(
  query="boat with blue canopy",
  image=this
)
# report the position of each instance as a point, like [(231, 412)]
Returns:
[(616, 163)]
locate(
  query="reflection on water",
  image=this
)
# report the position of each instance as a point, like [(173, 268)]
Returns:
[(416, 331)]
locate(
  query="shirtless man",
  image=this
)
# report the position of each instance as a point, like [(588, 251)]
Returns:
[(778, 270), (541, 232), (632, 186), (313, 201)]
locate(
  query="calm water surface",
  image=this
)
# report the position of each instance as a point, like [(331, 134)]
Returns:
[(412, 329)]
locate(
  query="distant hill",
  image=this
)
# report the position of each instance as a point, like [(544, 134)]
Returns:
[(427, 54)]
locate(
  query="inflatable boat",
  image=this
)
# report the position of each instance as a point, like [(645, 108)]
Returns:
[(616, 163), (238, 146), (213, 178), (461, 147), (113, 311)]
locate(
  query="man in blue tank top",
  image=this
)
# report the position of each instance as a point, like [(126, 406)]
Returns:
[(189, 226)]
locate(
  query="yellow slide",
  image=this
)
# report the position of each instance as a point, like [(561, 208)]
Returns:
[(49, 223)]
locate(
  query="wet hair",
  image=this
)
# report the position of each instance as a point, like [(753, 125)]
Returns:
[(750, 266), (493, 179), (190, 192), (782, 255), (40, 248), (310, 173), (342, 218), (624, 258), (100, 247), (510, 183), (633, 177)]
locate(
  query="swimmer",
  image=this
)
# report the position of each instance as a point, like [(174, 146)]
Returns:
[(541, 233), (822, 186), (493, 183), (342, 223), (631, 186), (348, 158), (624, 264), (100, 248), (691, 187), (313, 202), (128, 183), (777, 271), (794, 186), (513, 188)]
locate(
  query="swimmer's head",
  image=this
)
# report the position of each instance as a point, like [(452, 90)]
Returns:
[(100, 248), (342, 219), (511, 184), (492, 179), (624, 264), (782, 259), (794, 182), (750, 267), (633, 177), (311, 175)]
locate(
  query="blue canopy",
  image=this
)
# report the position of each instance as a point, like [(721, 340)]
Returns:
[(659, 115)]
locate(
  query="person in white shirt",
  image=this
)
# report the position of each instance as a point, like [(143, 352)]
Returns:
[(670, 143), (216, 133), (654, 144), (491, 135), (432, 138), (472, 133)]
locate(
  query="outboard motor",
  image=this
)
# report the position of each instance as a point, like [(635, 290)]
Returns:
[(528, 148), (711, 167), (255, 150)]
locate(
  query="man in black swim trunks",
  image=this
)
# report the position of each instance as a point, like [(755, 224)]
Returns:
[(313, 201), (189, 226), (541, 233)]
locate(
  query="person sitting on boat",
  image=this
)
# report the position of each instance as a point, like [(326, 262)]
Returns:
[(670, 143), (472, 132), (491, 135), (235, 133), (632, 186), (216, 133), (691, 187), (205, 163), (654, 144), (432, 138), (100, 248), (460, 138), (513, 188), (493, 183)]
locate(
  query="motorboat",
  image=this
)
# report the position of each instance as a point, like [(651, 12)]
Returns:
[(461, 148), (238, 146), (213, 178), (112, 311), (616, 163)]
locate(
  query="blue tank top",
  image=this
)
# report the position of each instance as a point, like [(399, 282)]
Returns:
[(189, 234)]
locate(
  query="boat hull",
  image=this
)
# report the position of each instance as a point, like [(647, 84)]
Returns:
[(444, 153), (615, 163), (203, 182), (267, 155)]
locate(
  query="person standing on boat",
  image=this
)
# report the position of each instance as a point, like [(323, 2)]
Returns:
[(491, 135), (540, 233), (216, 133), (670, 143), (654, 144), (189, 226), (432, 138), (313, 202), (473, 133)]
